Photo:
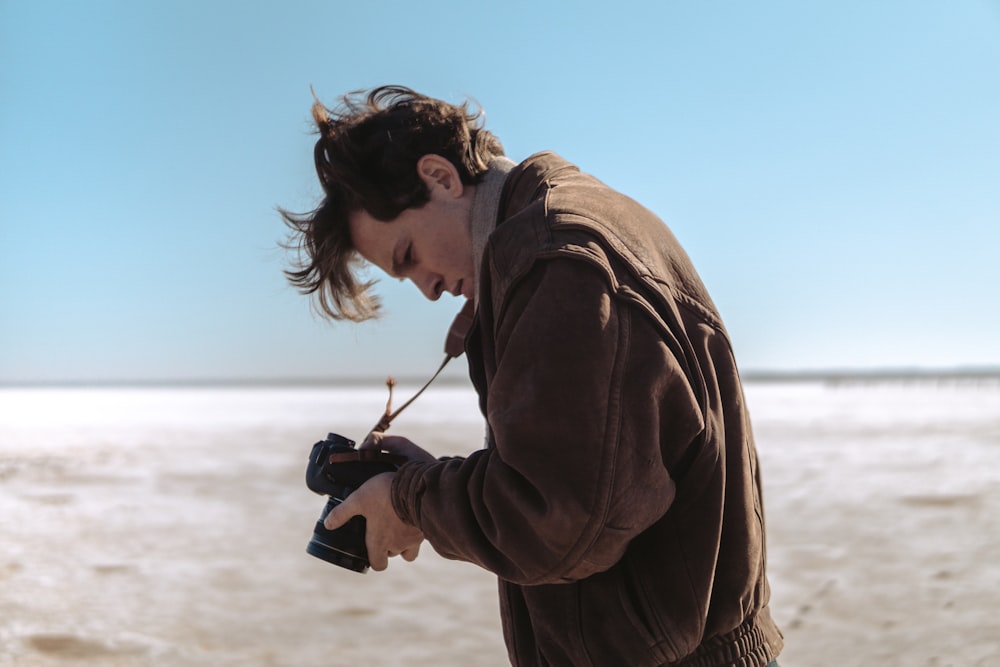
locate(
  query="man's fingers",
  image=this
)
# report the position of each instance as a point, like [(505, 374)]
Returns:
[(372, 441), (379, 560), (397, 444), (411, 553)]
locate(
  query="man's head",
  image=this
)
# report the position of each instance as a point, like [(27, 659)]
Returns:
[(388, 157)]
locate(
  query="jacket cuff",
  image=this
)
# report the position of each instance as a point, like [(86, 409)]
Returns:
[(407, 487)]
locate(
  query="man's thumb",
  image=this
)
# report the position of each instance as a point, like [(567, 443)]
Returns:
[(337, 517)]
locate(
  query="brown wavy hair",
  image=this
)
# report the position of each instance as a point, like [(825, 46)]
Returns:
[(366, 158)]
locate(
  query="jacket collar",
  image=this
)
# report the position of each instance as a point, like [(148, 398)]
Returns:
[(528, 180)]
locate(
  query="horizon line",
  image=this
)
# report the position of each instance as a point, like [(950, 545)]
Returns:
[(754, 375)]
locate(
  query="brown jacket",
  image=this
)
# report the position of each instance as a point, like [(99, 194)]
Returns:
[(618, 500)]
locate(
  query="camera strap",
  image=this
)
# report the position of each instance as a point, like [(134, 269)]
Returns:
[(383, 423), (453, 347)]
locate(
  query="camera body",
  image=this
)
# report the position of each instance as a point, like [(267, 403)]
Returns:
[(336, 469)]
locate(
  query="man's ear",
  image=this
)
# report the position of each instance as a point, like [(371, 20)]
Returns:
[(440, 176)]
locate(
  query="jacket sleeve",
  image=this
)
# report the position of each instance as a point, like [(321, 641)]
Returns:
[(584, 398)]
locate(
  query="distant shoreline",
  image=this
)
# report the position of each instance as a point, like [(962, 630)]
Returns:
[(875, 375), (833, 376)]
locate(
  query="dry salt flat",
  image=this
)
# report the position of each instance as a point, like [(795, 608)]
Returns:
[(167, 526)]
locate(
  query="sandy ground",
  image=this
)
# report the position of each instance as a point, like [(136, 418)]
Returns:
[(184, 544)]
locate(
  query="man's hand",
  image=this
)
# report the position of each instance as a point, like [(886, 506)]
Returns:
[(397, 445), (386, 535)]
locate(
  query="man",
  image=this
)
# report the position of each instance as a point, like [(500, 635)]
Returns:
[(618, 498)]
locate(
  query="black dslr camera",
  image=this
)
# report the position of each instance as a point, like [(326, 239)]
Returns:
[(336, 469)]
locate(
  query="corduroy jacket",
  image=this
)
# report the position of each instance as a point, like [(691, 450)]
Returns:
[(618, 499)]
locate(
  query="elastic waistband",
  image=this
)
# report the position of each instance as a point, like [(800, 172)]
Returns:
[(755, 643)]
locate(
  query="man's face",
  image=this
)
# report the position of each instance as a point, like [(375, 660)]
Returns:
[(430, 246)]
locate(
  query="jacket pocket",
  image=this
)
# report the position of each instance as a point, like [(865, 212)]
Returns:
[(614, 620)]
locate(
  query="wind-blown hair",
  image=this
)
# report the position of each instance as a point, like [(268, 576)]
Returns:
[(366, 159)]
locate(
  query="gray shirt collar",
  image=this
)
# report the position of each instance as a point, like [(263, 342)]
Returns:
[(485, 208)]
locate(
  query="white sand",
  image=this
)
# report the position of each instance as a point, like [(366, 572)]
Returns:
[(168, 527)]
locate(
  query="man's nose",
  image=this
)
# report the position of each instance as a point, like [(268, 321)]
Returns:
[(431, 285)]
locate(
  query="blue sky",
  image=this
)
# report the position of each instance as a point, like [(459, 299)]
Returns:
[(833, 168)]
